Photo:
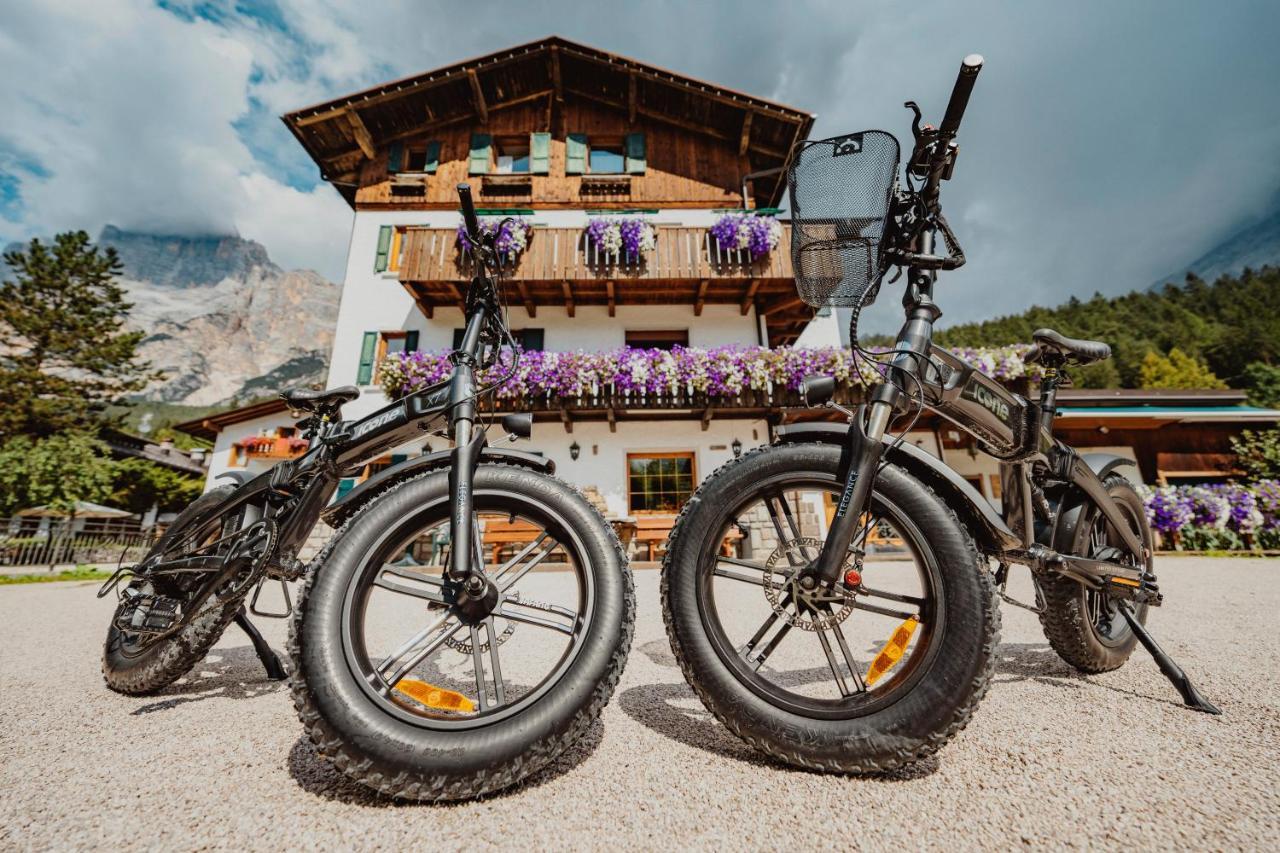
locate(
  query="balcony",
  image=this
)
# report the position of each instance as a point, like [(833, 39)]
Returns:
[(562, 268), (267, 447)]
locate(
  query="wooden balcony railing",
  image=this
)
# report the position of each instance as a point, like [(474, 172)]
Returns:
[(567, 255)]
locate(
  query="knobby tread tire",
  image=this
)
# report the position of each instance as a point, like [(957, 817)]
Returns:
[(439, 784), (172, 658), (780, 734), (1064, 617)]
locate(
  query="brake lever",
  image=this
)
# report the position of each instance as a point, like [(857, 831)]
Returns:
[(915, 123)]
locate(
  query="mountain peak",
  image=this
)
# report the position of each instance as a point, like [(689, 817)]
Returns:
[(177, 260)]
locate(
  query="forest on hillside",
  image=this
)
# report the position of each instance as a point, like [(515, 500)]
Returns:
[(1194, 334)]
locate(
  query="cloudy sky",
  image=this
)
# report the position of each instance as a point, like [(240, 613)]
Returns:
[(1107, 142)]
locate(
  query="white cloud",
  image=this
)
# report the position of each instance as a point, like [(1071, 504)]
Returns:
[(132, 124), (1106, 144)]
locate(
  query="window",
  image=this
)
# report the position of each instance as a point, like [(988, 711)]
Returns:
[(530, 340), (658, 339), (512, 156), (416, 160), (659, 482), (606, 158), (377, 346)]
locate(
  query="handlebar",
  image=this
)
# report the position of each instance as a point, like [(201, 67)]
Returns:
[(469, 213), (960, 95)]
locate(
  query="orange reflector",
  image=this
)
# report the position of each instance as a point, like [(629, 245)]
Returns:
[(892, 651), (434, 697), (1125, 582)]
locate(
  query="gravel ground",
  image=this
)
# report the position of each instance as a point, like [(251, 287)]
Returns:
[(1051, 757)]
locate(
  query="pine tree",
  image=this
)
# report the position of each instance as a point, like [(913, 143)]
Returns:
[(64, 353)]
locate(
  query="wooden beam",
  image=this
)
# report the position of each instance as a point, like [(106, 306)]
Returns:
[(568, 297), (457, 295), (700, 299), (745, 142), (750, 297), (631, 96), (361, 133), (478, 96), (706, 417), (555, 73), (566, 420), (781, 304), (613, 298), (529, 304), (613, 419)]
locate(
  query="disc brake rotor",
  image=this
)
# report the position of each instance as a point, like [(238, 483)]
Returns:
[(823, 609)]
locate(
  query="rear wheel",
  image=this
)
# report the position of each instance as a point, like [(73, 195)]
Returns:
[(1085, 627), (417, 695), (877, 673), (138, 663)]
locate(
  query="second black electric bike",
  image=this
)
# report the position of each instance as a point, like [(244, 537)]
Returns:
[(433, 659), (829, 597)]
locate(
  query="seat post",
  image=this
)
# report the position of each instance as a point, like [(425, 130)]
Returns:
[(1049, 396)]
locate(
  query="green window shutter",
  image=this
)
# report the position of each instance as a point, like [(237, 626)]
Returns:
[(480, 145), (397, 458), (575, 154), (368, 350), (539, 153), (411, 341), (384, 249), (395, 158), (635, 154), (345, 485), (433, 156)]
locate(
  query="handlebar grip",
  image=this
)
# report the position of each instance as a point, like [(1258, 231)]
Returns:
[(469, 212), (960, 94)]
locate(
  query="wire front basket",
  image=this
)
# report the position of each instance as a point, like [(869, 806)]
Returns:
[(840, 194)]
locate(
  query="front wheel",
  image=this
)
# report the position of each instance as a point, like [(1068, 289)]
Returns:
[(419, 693), (872, 675)]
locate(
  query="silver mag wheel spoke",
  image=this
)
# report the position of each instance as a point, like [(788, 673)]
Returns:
[(846, 653), (521, 615), (442, 629), (779, 510), (499, 687), (859, 603), (506, 577), (744, 577), (477, 659), (757, 658), (430, 589)]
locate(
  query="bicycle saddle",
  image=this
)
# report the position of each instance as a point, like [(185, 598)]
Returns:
[(1068, 349), (307, 400)]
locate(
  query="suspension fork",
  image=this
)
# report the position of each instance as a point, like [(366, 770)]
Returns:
[(467, 444), (864, 446)]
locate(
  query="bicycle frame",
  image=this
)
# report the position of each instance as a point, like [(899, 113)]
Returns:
[(1017, 431)]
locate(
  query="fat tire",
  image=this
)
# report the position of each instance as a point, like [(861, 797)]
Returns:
[(910, 729), (171, 658), (407, 762), (1064, 617)]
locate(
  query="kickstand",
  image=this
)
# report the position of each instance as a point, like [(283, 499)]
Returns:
[(269, 660), (1190, 696)]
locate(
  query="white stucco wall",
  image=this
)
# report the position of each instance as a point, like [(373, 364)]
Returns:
[(220, 456)]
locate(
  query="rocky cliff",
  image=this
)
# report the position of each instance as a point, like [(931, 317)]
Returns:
[(224, 322)]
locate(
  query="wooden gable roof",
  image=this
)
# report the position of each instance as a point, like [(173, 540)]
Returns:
[(342, 133)]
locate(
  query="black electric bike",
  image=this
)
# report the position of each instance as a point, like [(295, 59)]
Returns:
[(830, 597), (426, 663)]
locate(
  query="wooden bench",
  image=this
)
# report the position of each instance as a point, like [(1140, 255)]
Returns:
[(653, 530), (502, 535)]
